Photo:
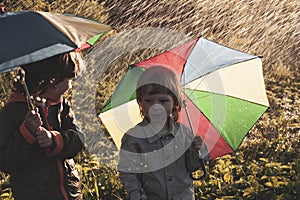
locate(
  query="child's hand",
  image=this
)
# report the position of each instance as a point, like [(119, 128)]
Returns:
[(44, 138), (197, 142), (33, 121)]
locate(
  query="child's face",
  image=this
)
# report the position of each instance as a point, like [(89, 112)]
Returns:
[(157, 107), (57, 91)]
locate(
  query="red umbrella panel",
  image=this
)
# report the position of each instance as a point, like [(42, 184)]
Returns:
[(223, 89)]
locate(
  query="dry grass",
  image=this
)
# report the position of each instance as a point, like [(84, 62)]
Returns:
[(266, 28), (86, 8)]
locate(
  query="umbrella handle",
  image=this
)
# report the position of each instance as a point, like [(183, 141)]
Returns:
[(202, 164), (31, 106), (21, 79)]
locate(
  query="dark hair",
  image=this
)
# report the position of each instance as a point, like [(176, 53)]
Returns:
[(160, 80), (42, 74)]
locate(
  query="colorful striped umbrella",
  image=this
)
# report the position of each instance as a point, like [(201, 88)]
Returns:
[(224, 92), (28, 36)]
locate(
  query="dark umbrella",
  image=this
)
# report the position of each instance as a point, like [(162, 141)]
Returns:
[(29, 36)]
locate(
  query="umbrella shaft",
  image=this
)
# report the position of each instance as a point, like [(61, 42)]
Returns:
[(21, 78), (199, 152), (28, 97)]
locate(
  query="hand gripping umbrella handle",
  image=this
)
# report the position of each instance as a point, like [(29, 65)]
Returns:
[(202, 164), (21, 78), (31, 106)]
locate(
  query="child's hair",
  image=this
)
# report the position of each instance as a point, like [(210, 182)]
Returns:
[(160, 80), (42, 74)]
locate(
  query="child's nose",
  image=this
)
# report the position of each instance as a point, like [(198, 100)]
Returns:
[(157, 106)]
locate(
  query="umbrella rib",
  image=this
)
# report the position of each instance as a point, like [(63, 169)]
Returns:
[(199, 97), (197, 86), (226, 96)]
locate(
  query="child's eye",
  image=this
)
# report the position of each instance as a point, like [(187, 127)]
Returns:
[(165, 101)]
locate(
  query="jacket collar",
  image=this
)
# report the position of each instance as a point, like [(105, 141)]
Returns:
[(149, 131), (17, 97)]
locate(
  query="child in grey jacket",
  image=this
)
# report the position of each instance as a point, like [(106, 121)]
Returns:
[(158, 155)]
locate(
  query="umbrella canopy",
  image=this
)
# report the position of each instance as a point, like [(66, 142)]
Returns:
[(28, 36), (224, 93)]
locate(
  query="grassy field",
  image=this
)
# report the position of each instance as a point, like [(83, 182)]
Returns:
[(267, 165)]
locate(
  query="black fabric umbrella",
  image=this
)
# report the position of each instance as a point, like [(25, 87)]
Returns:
[(28, 36)]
